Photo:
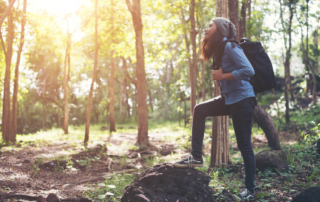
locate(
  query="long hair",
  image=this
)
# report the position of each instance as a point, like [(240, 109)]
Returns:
[(208, 46)]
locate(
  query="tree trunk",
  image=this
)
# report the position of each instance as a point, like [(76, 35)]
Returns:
[(6, 118), (222, 8), (88, 114), (150, 100), (316, 45), (193, 67), (58, 115), (6, 12), (44, 101), (234, 16), (65, 84), (263, 119), (111, 91), (242, 26), (288, 87), (186, 39), (135, 11), (220, 152), (203, 79), (16, 74)]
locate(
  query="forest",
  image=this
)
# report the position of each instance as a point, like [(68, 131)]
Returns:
[(96, 94)]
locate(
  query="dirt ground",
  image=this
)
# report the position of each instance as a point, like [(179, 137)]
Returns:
[(65, 169)]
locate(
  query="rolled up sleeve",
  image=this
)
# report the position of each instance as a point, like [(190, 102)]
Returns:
[(244, 68)]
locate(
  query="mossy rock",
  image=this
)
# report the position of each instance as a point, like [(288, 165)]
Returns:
[(311, 195), (164, 182), (271, 159)]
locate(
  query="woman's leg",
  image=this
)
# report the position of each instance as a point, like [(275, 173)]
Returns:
[(213, 107), (242, 114)]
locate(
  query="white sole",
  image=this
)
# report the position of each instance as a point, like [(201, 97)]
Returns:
[(187, 166)]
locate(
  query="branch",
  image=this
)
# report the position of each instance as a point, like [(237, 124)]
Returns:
[(127, 73), (4, 15), (130, 7), (2, 43)]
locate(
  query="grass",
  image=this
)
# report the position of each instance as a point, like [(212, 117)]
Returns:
[(303, 170)]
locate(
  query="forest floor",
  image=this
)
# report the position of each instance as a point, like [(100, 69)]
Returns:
[(51, 162)]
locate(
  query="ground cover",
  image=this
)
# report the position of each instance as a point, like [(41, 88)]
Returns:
[(50, 162)]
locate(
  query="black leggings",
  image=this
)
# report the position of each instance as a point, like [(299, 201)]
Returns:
[(242, 114)]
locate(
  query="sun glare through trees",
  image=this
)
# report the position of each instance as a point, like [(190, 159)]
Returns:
[(94, 93)]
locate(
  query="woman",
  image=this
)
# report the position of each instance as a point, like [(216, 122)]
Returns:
[(237, 100)]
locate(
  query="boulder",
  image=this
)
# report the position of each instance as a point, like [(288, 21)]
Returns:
[(311, 195), (52, 198), (272, 159), (164, 182)]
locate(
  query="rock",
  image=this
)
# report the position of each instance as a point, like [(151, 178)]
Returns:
[(164, 182), (272, 159), (85, 200), (52, 198), (41, 199), (166, 151), (311, 195), (119, 127)]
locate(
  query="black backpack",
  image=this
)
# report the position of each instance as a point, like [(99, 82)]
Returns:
[(264, 78)]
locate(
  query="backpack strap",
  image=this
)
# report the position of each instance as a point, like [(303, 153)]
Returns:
[(217, 64)]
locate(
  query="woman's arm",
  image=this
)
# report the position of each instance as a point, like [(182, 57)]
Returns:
[(244, 68), (218, 75)]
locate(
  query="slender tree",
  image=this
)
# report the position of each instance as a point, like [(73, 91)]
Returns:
[(88, 114), (220, 152), (135, 10), (111, 79), (234, 16), (288, 45), (16, 74), (194, 61), (111, 94), (6, 12), (6, 118), (66, 81)]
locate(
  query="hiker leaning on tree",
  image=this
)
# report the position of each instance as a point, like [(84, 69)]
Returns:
[(237, 99)]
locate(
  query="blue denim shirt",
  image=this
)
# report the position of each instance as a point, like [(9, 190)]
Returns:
[(235, 61)]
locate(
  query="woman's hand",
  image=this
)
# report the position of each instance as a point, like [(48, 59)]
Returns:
[(217, 74)]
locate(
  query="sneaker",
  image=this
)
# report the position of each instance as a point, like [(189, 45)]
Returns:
[(188, 162), (245, 195)]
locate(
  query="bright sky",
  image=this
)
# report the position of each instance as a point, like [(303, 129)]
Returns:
[(57, 7), (60, 8)]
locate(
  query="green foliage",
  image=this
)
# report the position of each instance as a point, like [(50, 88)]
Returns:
[(112, 188)]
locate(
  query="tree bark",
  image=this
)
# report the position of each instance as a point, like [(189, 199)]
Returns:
[(263, 119), (316, 45), (16, 74), (6, 118), (66, 85), (58, 115), (111, 94), (135, 10), (6, 12), (288, 87), (194, 62), (186, 39), (44, 100), (220, 152), (242, 24), (88, 114), (203, 79), (234, 16)]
